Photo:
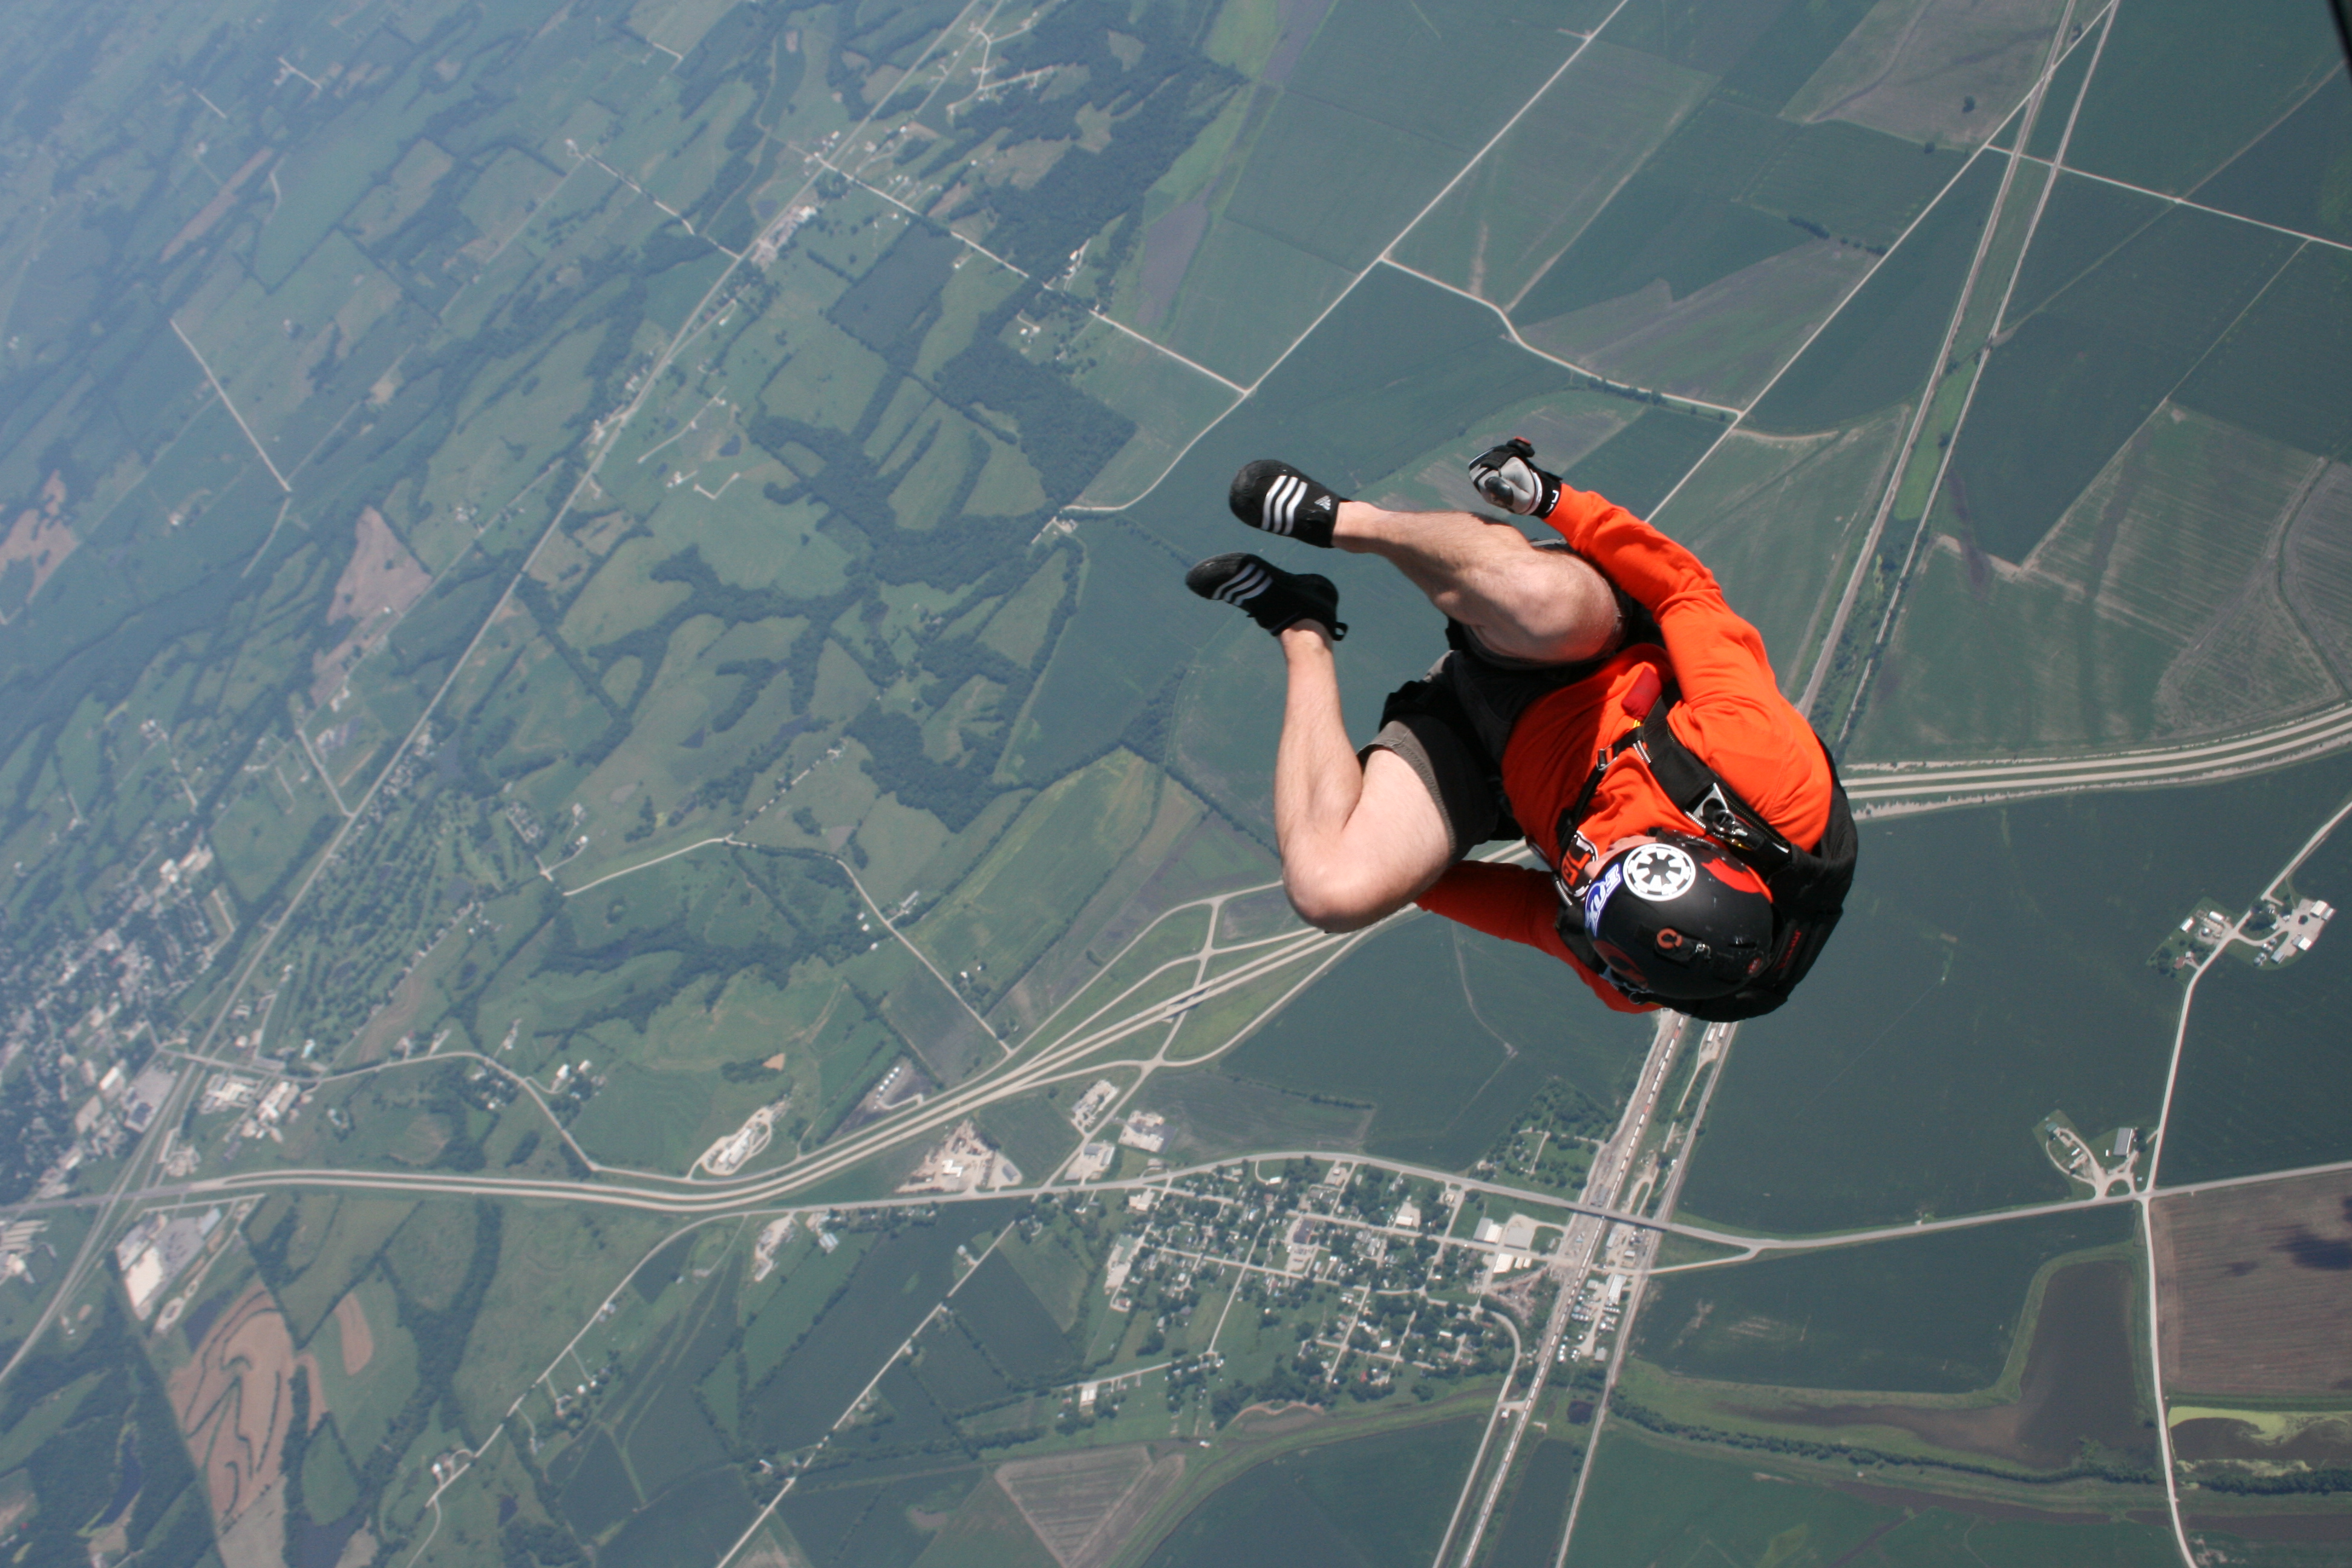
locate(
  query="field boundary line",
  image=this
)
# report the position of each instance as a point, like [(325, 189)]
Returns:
[(922, 958), (1340, 298), (761, 1519), (2057, 168), (228, 402), (969, 243), (1511, 328), (1820, 327)]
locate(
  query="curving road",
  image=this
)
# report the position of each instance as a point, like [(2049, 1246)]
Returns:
[(1887, 789)]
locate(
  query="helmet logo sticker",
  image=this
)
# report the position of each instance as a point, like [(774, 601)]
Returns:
[(1659, 873), (1596, 896)]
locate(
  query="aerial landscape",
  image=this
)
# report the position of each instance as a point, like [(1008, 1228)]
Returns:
[(639, 924)]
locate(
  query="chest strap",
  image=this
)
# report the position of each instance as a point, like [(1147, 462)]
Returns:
[(1693, 787)]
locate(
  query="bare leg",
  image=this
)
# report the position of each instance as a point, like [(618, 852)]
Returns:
[(1357, 841), (1542, 605)]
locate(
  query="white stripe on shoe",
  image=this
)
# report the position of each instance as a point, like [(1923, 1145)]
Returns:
[(1282, 499), (1245, 584)]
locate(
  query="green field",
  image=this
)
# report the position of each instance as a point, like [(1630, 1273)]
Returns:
[(1648, 1501), (2280, 370), (1368, 1502), (1992, 968), (2215, 91), (2253, 1096), (1772, 517), (2084, 370), (2162, 576), (2289, 177), (1638, 466), (892, 1291), (1212, 1115), (1019, 1335), (1934, 1314), (1448, 1067), (1499, 230), (1881, 348)]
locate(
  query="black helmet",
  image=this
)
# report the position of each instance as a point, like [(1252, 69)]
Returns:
[(1678, 917)]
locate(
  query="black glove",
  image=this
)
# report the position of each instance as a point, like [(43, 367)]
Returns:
[(1507, 476)]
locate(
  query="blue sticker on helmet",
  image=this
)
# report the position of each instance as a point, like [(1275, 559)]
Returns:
[(1596, 896)]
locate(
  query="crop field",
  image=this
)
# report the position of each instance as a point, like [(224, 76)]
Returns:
[(1064, 843), (1448, 1068), (1932, 1314), (890, 1293), (1245, 296), (1499, 230), (2254, 1094), (1070, 1499), (336, 1241), (2133, 326), (1032, 1130), (1881, 347), (1527, 1529), (2251, 1295), (1212, 1114), (870, 1514), (2282, 178), (1018, 1334), (987, 1531), (2281, 369), (1723, 343), (1336, 182), (1914, 70), (1355, 1501), (955, 1371), (1636, 466), (2165, 572), (1920, 1015), (2073, 1391), (1669, 1504), (1772, 515), (2216, 89)]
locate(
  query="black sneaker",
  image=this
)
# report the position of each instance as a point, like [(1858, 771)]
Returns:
[(1279, 499), (1272, 598)]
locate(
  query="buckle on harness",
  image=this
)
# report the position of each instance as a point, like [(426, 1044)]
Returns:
[(1714, 813)]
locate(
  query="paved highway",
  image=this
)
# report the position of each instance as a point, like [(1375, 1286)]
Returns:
[(1882, 789)]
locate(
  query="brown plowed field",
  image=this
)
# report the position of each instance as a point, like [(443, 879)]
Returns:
[(2255, 1287), (233, 1398)]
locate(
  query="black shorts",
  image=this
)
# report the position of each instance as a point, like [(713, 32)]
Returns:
[(1452, 725)]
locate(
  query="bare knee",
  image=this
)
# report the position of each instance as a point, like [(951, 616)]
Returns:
[(1554, 606)]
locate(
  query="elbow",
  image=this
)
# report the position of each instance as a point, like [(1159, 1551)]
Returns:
[(1334, 903)]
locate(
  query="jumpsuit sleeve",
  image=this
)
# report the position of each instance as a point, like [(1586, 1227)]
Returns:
[(1731, 711), (1517, 904)]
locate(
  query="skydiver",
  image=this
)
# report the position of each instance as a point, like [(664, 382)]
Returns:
[(1598, 697)]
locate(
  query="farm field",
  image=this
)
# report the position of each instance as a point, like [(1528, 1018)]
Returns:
[(1976, 1040), (2247, 1306), (1659, 1501), (1937, 1314)]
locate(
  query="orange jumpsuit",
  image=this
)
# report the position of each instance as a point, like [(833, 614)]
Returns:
[(1731, 715)]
